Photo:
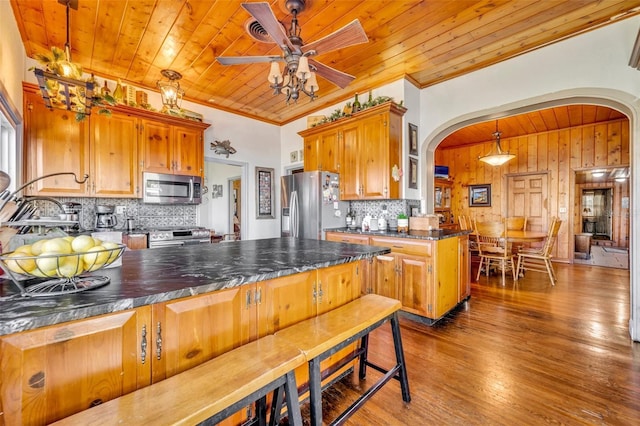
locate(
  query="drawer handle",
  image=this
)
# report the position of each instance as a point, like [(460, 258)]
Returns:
[(397, 246)]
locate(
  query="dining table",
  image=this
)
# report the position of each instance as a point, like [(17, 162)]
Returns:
[(523, 236)]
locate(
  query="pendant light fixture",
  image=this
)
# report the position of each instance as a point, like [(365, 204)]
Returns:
[(60, 83), (170, 90), (497, 157)]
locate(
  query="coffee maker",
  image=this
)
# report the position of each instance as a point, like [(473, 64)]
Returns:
[(105, 217)]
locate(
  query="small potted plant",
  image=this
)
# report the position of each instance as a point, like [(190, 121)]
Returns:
[(403, 223)]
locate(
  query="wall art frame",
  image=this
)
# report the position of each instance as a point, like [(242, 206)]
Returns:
[(413, 139), (265, 193), (413, 173), (480, 195)]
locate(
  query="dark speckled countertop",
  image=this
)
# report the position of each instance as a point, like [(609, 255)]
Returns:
[(438, 234), (157, 275)]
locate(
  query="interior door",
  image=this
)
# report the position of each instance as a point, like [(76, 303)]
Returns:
[(528, 196)]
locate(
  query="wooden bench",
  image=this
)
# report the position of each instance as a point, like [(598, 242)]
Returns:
[(213, 390), (324, 335)]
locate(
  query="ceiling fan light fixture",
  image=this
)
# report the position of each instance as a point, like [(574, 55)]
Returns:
[(497, 157), (170, 91)]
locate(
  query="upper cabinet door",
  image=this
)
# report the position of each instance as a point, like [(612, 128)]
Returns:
[(188, 151), (54, 143), (156, 147), (114, 156)]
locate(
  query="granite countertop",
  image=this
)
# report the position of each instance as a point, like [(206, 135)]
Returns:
[(157, 275), (438, 234)]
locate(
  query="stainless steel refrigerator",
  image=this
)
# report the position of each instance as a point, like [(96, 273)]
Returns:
[(310, 204)]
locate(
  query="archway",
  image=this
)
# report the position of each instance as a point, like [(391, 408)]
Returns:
[(618, 100)]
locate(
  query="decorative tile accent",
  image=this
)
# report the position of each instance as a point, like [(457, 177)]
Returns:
[(146, 215)]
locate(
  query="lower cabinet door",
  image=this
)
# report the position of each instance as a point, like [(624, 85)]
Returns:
[(384, 276), (416, 291), (187, 332), (53, 372)]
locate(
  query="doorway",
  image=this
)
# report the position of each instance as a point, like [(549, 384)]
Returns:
[(235, 206), (596, 212)]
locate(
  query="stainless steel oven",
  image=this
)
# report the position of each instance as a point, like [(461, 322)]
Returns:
[(161, 188), (178, 236)]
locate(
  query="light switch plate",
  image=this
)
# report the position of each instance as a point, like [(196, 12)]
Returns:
[(302, 155), (294, 156)]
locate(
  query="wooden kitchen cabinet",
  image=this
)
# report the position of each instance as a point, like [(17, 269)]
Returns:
[(366, 283), (369, 145), (171, 149), (54, 142), (321, 152), (425, 275), (53, 372), (113, 150), (114, 157), (464, 268)]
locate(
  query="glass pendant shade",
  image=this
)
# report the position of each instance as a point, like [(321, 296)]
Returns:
[(312, 83), (303, 68), (497, 157), (275, 75)]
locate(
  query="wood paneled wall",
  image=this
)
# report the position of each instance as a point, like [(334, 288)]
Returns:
[(560, 154)]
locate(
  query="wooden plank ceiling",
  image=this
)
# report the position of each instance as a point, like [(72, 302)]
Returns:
[(557, 118), (426, 41)]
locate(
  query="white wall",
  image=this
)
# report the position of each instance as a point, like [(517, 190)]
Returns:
[(214, 212), (12, 56)]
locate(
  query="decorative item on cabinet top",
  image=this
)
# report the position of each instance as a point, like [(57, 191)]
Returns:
[(317, 120)]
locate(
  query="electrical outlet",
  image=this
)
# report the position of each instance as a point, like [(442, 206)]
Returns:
[(121, 209), (294, 156)]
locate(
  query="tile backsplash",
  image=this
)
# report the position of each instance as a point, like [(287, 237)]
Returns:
[(394, 207), (146, 215)]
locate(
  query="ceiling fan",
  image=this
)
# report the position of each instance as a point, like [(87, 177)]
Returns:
[(298, 75)]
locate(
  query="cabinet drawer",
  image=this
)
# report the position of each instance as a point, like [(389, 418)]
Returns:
[(347, 238), (404, 245)]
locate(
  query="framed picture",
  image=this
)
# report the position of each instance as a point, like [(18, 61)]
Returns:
[(480, 195), (413, 173), (413, 139), (264, 193)]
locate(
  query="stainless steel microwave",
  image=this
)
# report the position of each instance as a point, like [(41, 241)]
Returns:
[(171, 189)]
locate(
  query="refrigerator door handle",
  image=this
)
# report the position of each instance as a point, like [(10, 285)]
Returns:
[(294, 214)]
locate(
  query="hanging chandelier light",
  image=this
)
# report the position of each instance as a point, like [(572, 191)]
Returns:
[(296, 77), (60, 83), (497, 157), (170, 90)]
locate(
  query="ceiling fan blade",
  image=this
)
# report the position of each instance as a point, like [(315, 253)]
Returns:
[(237, 60), (349, 35), (338, 78), (264, 15)]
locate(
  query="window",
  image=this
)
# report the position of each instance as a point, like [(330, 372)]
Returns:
[(8, 154)]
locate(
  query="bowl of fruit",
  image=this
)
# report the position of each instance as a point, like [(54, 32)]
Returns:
[(67, 262)]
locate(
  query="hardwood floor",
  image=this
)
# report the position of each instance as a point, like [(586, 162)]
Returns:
[(521, 354)]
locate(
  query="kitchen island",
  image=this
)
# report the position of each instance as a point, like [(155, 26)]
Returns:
[(164, 311), (428, 271)]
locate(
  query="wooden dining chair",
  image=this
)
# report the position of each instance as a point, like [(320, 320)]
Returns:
[(540, 260), (493, 248), (516, 223)]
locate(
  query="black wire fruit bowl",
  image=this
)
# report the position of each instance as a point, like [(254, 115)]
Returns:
[(63, 273)]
